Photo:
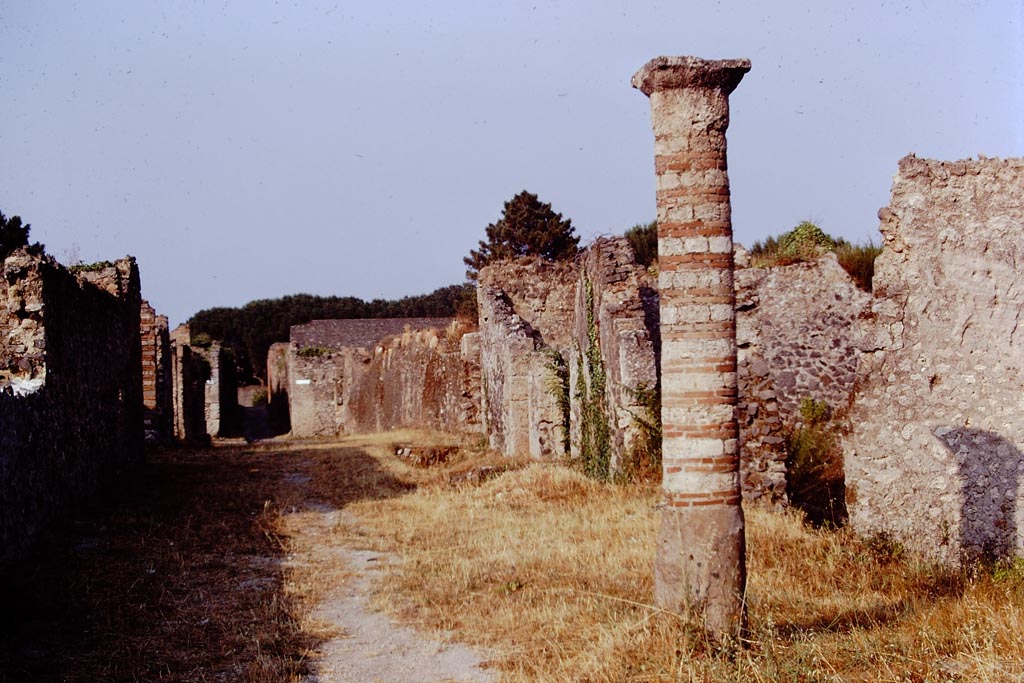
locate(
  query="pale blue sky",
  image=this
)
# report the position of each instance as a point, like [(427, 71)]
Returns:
[(245, 150)]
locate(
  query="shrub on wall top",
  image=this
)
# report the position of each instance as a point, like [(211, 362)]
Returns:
[(807, 242)]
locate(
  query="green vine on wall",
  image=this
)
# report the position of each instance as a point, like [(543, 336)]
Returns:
[(595, 434), (644, 459), (558, 386)]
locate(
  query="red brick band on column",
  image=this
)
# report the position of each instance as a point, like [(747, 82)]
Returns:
[(700, 563), (685, 500)]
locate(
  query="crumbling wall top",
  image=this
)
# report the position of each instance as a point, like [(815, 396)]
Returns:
[(120, 278), (358, 332)]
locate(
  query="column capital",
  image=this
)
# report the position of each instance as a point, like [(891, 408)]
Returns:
[(668, 73)]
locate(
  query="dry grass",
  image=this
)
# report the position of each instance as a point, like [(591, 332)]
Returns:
[(178, 576), (203, 566), (552, 571), (208, 570)]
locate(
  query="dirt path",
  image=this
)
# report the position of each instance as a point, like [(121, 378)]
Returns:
[(366, 646), (371, 647), (209, 565)]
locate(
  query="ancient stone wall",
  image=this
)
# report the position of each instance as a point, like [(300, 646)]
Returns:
[(358, 375), (157, 389), (71, 406), (795, 328), (526, 309), (220, 396), (189, 374), (349, 333), (313, 390), (613, 378), (212, 393), (277, 388), (539, 291), (422, 378), (568, 346), (935, 453)]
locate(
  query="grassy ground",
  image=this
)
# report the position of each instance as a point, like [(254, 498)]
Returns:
[(553, 571), (207, 566), (176, 577)]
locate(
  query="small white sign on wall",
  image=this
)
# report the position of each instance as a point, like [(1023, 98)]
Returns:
[(303, 381)]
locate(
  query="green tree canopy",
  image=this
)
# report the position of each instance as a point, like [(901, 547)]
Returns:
[(528, 227), (643, 238), (13, 235)]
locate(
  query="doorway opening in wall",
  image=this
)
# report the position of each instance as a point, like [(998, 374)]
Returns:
[(815, 480)]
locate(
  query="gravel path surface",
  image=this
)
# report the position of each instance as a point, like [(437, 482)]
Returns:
[(374, 649)]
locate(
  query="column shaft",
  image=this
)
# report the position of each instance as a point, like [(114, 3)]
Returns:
[(700, 565)]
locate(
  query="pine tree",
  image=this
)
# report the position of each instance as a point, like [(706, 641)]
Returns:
[(528, 227)]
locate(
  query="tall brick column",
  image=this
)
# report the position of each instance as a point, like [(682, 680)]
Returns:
[(700, 564)]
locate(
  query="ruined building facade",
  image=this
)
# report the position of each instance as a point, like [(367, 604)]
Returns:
[(157, 381), (925, 374), (339, 376), (796, 336), (568, 356), (204, 389), (796, 329), (937, 421), (71, 405), (89, 373)]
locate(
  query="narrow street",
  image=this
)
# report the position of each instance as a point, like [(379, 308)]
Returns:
[(212, 565)]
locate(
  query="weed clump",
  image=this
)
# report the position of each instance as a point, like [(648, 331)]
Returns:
[(313, 352), (90, 267), (807, 242), (558, 386), (595, 434), (643, 239), (200, 340), (814, 466), (643, 462), (859, 261)]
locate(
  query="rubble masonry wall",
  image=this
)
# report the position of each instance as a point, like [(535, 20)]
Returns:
[(795, 333), (935, 453), (71, 347)]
